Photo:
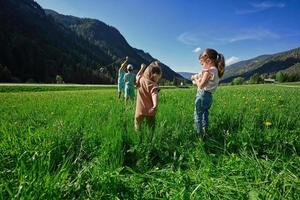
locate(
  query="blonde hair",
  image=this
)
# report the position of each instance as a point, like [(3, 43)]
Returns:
[(152, 69)]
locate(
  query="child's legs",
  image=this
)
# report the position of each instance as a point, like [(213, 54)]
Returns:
[(137, 121), (205, 118), (150, 121), (206, 104), (198, 113), (126, 93), (203, 102), (121, 88), (131, 93), (120, 93)]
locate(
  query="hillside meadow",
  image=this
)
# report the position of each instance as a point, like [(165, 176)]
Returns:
[(80, 144)]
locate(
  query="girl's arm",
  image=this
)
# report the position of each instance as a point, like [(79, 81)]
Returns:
[(141, 71), (124, 64), (155, 101), (139, 74), (201, 82)]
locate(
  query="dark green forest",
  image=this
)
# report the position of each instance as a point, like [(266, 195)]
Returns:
[(37, 45), (35, 49)]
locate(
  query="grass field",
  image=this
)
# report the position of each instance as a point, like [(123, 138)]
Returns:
[(292, 83), (80, 144)]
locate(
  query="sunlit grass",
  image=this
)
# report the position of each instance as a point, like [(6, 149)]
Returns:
[(82, 144)]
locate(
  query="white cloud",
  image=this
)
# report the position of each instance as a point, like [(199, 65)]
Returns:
[(195, 38), (254, 34), (258, 7), (189, 38), (231, 60), (267, 5), (197, 50), (211, 38)]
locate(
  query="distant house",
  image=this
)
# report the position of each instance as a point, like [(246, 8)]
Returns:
[(269, 80)]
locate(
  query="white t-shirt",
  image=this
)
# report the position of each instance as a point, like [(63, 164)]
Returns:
[(213, 82)]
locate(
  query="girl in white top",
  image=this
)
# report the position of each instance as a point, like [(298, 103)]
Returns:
[(213, 81), (207, 82)]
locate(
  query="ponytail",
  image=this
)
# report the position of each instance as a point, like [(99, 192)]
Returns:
[(220, 62), (217, 58)]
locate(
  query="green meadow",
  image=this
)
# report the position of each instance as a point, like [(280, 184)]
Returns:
[(81, 144)]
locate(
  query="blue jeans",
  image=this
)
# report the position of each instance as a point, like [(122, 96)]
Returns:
[(203, 102)]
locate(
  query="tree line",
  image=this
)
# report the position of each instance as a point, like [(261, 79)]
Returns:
[(260, 78)]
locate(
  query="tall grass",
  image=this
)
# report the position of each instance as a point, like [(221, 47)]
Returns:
[(81, 144)]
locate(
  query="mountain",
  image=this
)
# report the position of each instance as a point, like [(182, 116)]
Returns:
[(36, 45), (265, 64), (168, 73), (186, 75), (35, 48), (108, 39), (295, 69)]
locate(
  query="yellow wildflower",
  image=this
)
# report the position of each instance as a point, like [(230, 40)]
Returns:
[(268, 123)]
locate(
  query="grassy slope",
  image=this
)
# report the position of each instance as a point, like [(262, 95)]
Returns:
[(81, 144)]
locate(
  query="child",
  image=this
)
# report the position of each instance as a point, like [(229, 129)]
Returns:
[(129, 83), (121, 74), (213, 68), (147, 94)]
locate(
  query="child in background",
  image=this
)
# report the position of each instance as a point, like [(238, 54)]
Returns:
[(129, 83), (147, 94), (121, 74), (213, 68)]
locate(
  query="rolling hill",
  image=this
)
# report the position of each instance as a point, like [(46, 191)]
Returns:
[(265, 64)]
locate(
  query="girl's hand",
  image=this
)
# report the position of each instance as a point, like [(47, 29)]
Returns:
[(196, 77), (152, 111), (196, 81), (140, 73)]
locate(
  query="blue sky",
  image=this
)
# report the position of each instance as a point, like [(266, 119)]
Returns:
[(175, 31)]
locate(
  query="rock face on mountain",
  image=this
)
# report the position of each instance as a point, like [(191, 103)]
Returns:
[(37, 44)]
